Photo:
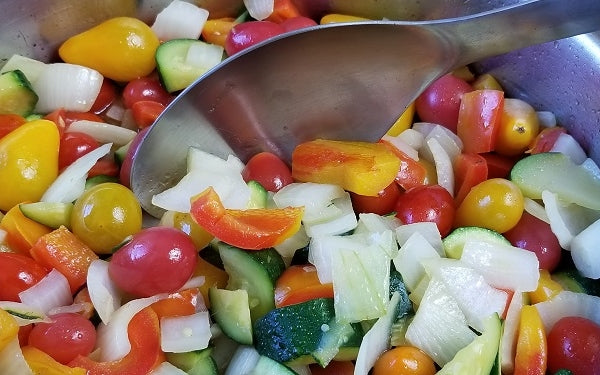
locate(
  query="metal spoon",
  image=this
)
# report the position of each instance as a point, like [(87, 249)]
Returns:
[(345, 81)]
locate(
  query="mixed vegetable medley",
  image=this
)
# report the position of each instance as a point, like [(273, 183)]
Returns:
[(465, 241)]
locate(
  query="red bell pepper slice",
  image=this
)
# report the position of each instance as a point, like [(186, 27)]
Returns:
[(251, 229), (145, 353), (478, 119), (62, 250)]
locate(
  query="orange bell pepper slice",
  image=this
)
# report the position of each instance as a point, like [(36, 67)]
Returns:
[(361, 167), (532, 349), (181, 303), (215, 31), (283, 10), (251, 229), (21, 232), (62, 250), (300, 283), (145, 353)]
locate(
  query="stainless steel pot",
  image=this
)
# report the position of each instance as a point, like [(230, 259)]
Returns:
[(562, 77)]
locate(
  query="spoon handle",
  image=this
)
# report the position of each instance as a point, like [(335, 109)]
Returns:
[(518, 26)]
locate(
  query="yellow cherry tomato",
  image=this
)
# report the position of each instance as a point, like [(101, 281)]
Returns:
[(185, 223), (496, 204), (28, 162), (404, 360), (120, 48), (519, 125), (105, 215)]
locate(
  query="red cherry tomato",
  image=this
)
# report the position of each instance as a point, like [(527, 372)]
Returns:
[(125, 171), (106, 96), (105, 167), (430, 203), (297, 23), (145, 89), (440, 102), (381, 204), (9, 122), (156, 260), (574, 344), (145, 112), (268, 170), (536, 235), (246, 34), (19, 272), (66, 337), (73, 145)]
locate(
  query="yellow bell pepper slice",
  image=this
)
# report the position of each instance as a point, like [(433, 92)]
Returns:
[(42, 364), (360, 167), (404, 121), (340, 18), (9, 328), (532, 349), (547, 288)]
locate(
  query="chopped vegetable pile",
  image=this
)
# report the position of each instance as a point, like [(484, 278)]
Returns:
[(465, 241)]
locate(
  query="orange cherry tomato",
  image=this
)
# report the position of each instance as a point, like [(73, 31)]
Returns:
[(300, 283), (404, 360), (519, 125)]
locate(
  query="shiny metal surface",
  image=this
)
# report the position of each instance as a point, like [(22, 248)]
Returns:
[(561, 76), (346, 81)]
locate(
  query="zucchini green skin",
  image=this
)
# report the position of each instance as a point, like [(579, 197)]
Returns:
[(290, 334), (256, 271), (198, 362)]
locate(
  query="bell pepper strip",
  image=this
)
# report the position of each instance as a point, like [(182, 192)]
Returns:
[(9, 328), (300, 283), (21, 232), (283, 10), (251, 229), (9, 122), (546, 289), (145, 112), (62, 250), (215, 31), (545, 140), (478, 119), (360, 167), (404, 121), (340, 18), (145, 353), (83, 298), (181, 303), (469, 170), (11, 356), (486, 82), (29, 156), (213, 277), (532, 351), (42, 364), (412, 173)]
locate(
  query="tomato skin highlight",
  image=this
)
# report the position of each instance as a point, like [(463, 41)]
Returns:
[(156, 260), (440, 102), (574, 344), (68, 336), (19, 272), (430, 203), (268, 170), (382, 204), (535, 235)]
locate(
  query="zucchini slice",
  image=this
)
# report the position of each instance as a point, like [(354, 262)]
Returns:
[(16, 94)]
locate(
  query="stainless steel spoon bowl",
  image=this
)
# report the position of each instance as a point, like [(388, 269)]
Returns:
[(346, 81)]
